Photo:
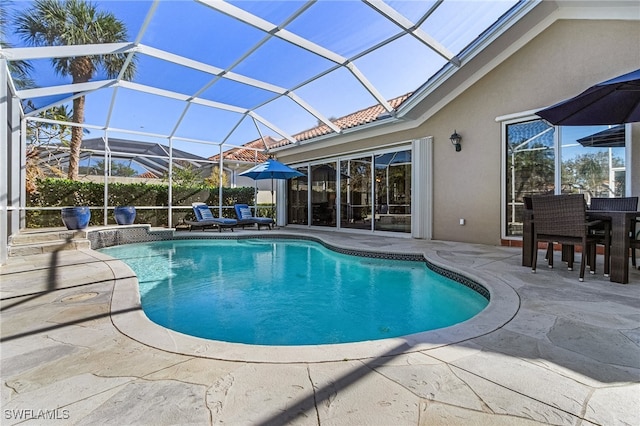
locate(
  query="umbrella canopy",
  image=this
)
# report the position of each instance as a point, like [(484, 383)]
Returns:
[(614, 101), (609, 138), (271, 169)]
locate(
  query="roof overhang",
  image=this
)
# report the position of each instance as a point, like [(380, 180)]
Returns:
[(520, 29)]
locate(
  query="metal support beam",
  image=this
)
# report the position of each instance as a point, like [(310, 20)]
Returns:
[(277, 31), (84, 88), (46, 52), (410, 28), (5, 165)]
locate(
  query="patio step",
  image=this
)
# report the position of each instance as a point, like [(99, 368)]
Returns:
[(31, 242)]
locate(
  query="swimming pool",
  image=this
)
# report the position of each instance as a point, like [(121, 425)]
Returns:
[(290, 292)]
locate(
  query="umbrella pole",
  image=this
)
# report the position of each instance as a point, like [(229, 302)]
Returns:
[(272, 197)]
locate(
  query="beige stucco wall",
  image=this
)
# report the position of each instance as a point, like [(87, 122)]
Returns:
[(560, 62)]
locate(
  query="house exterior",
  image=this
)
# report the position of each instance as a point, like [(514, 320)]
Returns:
[(555, 52), (424, 187)]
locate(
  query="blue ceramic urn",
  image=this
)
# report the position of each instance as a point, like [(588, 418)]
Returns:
[(76, 217), (125, 215)]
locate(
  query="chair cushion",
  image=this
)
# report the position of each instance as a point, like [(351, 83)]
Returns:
[(225, 221), (205, 213), (263, 220), (196, 211), (245, 213)]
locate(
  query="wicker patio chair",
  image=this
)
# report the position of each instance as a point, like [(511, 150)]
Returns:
[(614, 204), (562, 219), (528, 207), (620, 204)]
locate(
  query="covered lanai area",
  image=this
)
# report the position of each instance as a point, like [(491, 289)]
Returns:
[(167, 85), (415, 127)]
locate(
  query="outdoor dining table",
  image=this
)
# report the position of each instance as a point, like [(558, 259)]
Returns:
[(620, 226)]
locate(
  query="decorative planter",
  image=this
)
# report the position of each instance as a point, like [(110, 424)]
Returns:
[(76, 217), (125, 215)]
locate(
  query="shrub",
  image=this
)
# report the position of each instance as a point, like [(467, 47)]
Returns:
[(53, 192)]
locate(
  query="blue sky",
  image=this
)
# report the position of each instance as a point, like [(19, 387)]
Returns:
[(571, 147), (200, 33)]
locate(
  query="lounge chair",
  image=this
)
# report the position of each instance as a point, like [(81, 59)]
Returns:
[(245, 217), (205, 219)]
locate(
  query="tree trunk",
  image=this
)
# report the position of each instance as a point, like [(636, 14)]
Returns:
[(81, 69), (76, 138)]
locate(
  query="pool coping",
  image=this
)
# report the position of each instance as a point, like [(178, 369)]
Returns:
[(129, 318)]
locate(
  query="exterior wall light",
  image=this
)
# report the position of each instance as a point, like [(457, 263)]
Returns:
[(455, 139)]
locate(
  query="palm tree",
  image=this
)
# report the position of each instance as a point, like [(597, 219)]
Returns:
[(19, 69), (75, 22)]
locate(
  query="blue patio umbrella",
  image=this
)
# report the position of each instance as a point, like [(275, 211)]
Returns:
[(614, 101), (271, 169)]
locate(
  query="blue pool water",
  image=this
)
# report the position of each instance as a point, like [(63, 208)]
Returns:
[(290, 292)]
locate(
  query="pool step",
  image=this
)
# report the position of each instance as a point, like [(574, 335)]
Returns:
[(29, 242)]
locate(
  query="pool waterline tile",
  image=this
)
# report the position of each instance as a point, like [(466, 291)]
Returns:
[(405, 281), (132, 322)]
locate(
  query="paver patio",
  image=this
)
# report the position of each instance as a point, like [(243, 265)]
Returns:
[(549, 350)]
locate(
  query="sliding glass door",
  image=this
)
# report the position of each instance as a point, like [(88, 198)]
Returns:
[(369, 191), (355, 193), (393, 191), (323, 194), (297, 199)]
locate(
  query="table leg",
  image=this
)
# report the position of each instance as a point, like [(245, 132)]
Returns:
[(620, 225), (527, 238)]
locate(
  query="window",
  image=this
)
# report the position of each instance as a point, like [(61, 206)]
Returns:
[(530, 159), (542, 159), (593, 160)]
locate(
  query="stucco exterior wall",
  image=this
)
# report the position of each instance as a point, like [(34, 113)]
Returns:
[(560, 62)]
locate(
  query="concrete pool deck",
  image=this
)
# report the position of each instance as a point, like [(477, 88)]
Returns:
[(548, 350)]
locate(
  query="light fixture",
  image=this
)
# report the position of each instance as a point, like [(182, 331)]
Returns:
[(455, 139)]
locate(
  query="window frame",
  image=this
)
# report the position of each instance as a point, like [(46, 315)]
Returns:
[(557, 146)]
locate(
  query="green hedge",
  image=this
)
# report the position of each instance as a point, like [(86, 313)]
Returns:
[(53, 192)]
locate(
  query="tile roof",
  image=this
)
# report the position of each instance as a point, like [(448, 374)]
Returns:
[(147, 175), (358, 118), (256, 154), (364, 116)]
